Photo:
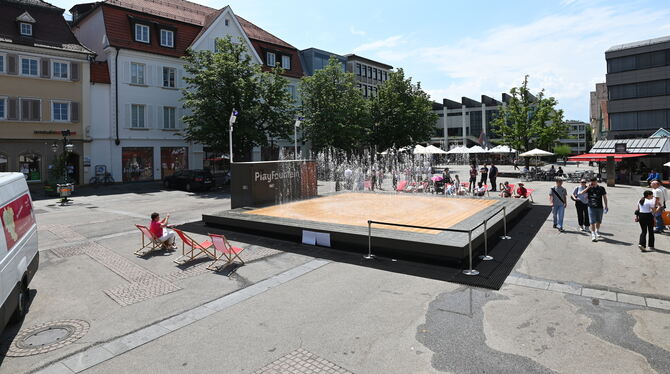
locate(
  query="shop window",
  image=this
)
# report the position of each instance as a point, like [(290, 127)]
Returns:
[(137, 163), (4, 163), (173, 159), (30, 166)]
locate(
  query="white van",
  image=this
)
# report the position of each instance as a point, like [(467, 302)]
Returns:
[(19, 256)]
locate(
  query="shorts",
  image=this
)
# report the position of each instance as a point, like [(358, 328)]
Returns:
[(595, 215)]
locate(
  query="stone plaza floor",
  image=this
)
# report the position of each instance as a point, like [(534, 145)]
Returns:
[(569, 306)]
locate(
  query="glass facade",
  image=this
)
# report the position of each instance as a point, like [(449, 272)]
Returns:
[(173, 159), (641, 89), (639, 61), (137, 163), (642, 120)]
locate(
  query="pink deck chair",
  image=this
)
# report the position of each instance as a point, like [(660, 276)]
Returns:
[(224, 252), (190, 249), (401, 186), (150, 242)]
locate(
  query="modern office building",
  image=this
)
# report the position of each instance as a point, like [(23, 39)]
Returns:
[(638, 84), (44, 74), (598, 112), (577, 137), (314, 59), (369, 73), (467, 122)]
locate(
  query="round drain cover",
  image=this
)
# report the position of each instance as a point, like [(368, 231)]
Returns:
[(47, 337)]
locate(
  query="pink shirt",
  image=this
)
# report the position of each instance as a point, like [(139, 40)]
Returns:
[(156, 228)]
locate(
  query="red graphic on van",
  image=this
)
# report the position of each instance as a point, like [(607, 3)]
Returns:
[(17, 218)]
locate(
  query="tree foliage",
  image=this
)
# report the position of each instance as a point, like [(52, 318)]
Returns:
[(218, 82), (335, 113), (528, 121), (402, 114), (562, 150)]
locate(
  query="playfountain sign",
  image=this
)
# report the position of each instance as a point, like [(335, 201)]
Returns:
[(271, 182)]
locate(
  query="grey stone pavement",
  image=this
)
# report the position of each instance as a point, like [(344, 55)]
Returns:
[(569, 306)]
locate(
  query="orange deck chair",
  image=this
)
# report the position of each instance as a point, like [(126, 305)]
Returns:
[(225, 252), (150, 242), (190, 249)]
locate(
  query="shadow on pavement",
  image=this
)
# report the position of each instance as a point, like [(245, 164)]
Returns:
[(493, 273), (134, 187), (11, 330)]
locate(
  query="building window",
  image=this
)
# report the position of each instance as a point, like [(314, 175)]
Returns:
[(29, 165), (29, 66), (167, 38), (366, 91), (374, 71), (2, 63), (168, 77), (4, 162), (136, 73), (60, 70), (358, 69), (173, 159), (370, 72), (60, 111), (365, 71), (31, 110), (270, 59), (226, 22), (137, 116), (386, 76), (137, 164), (26, 29), (169, 117), (3, 105), (293, 92), (142, 33), (286, 62)]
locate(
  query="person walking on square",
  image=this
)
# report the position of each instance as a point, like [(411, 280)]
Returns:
[(558, 197), (597, 203), (516, 164), (493, 175), (473, 177), (485, 173), (661, 196), (646, 208), (581, 204)]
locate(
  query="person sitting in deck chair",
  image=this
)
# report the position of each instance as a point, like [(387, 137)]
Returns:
[(159, 228), (505, 189), (521, 192), (481, 190)]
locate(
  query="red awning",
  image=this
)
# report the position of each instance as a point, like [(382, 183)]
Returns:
[(602, 157)]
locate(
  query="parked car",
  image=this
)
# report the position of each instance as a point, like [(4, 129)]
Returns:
[(19, 255), (190, 180)]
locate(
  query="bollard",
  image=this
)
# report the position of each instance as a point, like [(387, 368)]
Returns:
[(470, 271), (505, 236), (486, 256), (369, 256)]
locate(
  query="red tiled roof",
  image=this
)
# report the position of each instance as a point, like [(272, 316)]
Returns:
[(178, 10), (120, 31), (100, 72), (262, 47), (255, 32)]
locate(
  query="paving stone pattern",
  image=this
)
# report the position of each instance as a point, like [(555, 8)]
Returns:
[(69, 251), (63, 232), (301, 361)]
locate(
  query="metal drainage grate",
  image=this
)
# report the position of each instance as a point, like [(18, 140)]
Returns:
[(47, 337)]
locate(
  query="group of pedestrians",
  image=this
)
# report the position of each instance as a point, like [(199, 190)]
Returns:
[(590, 203), (487, 174)]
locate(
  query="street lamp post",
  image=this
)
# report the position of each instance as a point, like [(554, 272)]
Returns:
[(233, 118), (295, 136)]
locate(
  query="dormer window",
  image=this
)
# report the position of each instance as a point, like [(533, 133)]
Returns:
[(167, 38), (26, 29), (142, 33), (286, 62), (270, 59)]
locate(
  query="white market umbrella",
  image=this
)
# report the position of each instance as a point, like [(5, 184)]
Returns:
[(433, 150), (458, 150), (536, 153), (477, 149), (420, 150), (667, 164), (502, 149)]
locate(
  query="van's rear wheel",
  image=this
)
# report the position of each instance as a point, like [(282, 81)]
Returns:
[(23, 298)]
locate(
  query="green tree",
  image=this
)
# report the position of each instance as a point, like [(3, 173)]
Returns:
[(218, 82), (336, 114), (529, 121), (402, 114), (562, 151)]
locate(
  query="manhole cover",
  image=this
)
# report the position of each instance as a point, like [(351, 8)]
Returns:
[(47, 337)]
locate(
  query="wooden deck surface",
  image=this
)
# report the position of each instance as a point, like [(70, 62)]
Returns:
[(358, 208)]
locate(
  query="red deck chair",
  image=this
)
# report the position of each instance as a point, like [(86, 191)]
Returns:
[(150, 242), (400, 187), (511, 189), (367, 185), (224, 252), (190, 249)]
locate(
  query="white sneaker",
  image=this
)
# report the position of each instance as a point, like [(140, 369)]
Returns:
[(593, 237), (598, 235)]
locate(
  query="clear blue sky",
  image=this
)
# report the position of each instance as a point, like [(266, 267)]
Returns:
[(469, 48)]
